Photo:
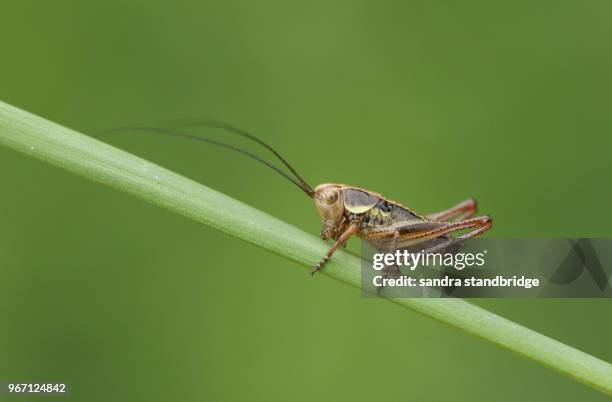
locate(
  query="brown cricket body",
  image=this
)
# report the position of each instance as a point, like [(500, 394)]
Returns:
[(347, 211), (388, 225)]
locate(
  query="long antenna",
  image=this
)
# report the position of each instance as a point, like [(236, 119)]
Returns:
[(301, 184), (238, 131)]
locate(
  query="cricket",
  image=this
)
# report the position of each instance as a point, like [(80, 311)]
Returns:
[(348, 211)]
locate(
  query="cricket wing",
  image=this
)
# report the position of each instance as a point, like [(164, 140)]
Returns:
[(359, 201)]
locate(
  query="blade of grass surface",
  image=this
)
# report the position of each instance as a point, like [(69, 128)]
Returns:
[(103, 163)]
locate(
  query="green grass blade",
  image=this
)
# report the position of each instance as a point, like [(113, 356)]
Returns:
[(103, 163)]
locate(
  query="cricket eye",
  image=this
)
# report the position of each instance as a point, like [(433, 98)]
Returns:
[(331, 197)]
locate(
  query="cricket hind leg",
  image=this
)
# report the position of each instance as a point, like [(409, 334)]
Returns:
[(461, 211), (432, 240), (418, 232), (480, 225), (392, 271)]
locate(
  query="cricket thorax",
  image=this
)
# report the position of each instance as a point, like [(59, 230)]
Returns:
[(340, 206)]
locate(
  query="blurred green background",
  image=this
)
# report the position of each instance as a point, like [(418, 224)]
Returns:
[(426, 102)]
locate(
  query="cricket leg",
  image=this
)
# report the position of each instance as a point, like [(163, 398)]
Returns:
[(394, 241), (433, 240), (485, 224), (392, 271), (350, 231), (481, 225), (413, 233), (394, 245), (461, 211)]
